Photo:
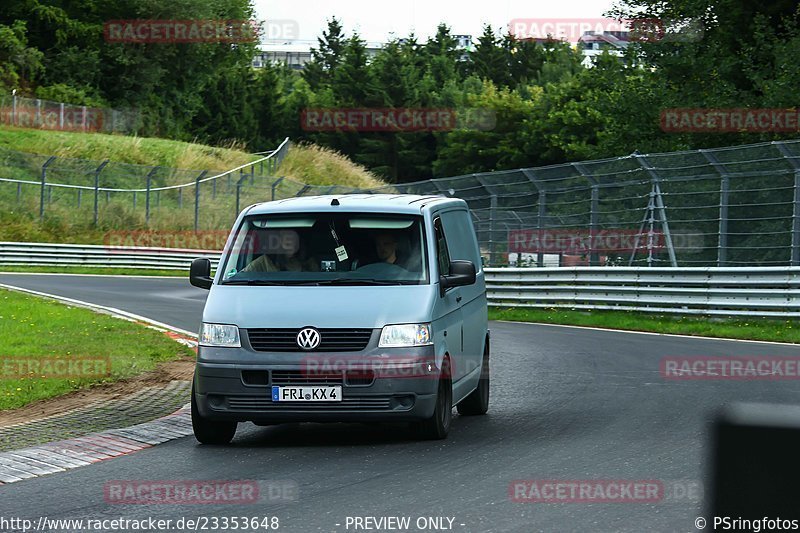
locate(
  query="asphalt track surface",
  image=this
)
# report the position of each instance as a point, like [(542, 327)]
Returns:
[(567, 404)]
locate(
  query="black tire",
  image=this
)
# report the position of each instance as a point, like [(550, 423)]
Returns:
[(438, 425), (477, 403), (211, 431)]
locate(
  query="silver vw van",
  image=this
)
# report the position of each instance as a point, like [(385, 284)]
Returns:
[(343, 308)]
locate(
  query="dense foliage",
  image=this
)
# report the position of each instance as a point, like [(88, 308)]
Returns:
[(548, 107)]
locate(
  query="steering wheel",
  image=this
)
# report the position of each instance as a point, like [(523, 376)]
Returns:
[(382, 269)]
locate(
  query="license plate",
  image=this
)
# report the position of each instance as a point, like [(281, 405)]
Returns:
[(306, 394)]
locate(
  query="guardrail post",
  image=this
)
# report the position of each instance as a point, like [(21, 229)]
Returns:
[(197, 198), (795, 252), (724, 189), (252, 174), (44, 186), (97, 190), (275, 186), (149, 178)]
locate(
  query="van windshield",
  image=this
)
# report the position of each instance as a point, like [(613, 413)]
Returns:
[(328, 249)]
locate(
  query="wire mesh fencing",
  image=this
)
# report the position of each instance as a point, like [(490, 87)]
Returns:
[(733, 206)]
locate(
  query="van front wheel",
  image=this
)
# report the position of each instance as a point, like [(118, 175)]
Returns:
[(477, 403), (211, 431), (437, 426)]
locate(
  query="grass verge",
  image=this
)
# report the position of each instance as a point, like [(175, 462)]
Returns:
[(97, 271), (123, 149), (749, 329), (34, 329)]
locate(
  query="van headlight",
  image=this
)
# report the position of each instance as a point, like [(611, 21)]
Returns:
[(220, 335), (405, 335)]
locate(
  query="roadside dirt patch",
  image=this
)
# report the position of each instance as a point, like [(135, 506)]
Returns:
[(177, 370)]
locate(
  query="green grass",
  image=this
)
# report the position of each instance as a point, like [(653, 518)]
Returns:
[(123, 149), (751, 328), (96, 270), (35, 328)]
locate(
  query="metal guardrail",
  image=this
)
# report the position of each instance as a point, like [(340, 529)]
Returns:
[(41, 254), (759, 291), (754, 291)]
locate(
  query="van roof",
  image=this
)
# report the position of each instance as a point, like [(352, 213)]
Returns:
[(375, 203)]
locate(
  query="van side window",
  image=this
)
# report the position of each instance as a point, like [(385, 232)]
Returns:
[(442, 255)]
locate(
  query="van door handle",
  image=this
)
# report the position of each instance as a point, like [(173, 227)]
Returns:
[(458, 299)]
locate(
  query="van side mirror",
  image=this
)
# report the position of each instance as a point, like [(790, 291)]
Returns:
[(200, 273), (461, 273)]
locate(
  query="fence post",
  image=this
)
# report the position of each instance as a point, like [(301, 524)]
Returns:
[(724, 189), (97, 189), (197, 198), (239, 191), (38, 121), (180, 197), (795, 253), (275, 186), (61, 116), (214, 189), (134, 199), (492, 230), (79, 197), (19, 192), (44, 186), (147, 196), (594, 259), (14, 109), (542, 210)]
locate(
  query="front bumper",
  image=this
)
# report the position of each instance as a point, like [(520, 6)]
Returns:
[(236, 384)]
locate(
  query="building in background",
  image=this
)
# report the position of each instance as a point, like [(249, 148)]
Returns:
[(296, 54), (592, 44)]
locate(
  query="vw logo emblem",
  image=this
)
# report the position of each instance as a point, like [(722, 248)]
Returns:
[(308, 338)]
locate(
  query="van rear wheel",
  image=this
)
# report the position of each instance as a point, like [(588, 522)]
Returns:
[(438, 426), (477, 403), (211, 431)]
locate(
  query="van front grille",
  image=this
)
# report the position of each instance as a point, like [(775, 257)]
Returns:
[(299, 377), (331, 340)]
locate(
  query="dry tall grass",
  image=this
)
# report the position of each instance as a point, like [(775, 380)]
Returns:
[(309, 163)]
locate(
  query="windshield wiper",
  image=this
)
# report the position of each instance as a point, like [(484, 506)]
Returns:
[(363, 281), (252, 282)]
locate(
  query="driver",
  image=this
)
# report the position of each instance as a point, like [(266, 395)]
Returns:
[(386, 247)]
